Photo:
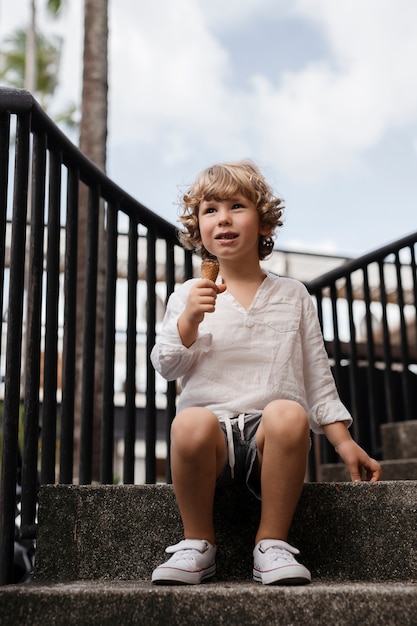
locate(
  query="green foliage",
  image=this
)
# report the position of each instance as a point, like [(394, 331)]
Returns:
[(48, 56), (55, 7)]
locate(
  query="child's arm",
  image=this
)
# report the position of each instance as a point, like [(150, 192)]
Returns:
[(171, 357), (354, 457)]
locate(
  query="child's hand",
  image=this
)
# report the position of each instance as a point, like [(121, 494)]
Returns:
[(357, 460), (201, 300)]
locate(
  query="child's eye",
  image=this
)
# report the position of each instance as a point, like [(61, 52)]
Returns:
[(207, 210), (237, 205)]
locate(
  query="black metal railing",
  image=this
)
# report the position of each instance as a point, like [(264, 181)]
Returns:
[(367, 308), (41, 173)]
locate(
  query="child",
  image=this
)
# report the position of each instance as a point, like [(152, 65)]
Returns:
[(255, 378)]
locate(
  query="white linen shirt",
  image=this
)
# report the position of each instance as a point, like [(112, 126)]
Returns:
[(243, 359)]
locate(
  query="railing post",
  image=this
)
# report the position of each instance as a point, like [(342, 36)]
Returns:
[(107, 427), (131, 338), (150, 414), (50, 363), (69, 339), (33, 336), (4, 183), (373, 421), (14, 352), (89, 339), (404, 352), (171, 393), (388, 387)]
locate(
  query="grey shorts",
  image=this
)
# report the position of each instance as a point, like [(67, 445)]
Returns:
[(239, 433)]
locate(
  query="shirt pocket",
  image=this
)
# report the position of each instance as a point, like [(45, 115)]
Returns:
[(283, 315)]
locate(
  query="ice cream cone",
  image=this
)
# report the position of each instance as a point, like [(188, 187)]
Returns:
[(209, 269)]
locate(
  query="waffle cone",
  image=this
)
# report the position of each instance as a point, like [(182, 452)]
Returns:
[(209, 269)]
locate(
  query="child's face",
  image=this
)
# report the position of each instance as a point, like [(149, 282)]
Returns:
[(230, 228)]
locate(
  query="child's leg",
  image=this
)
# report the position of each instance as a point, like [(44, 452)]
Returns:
[(283, 444), (198, 456)]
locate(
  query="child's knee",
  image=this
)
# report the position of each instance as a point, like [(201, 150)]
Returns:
[(194, 427), (286, 418)]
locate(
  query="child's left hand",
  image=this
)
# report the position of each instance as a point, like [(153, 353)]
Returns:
[(357, 460)]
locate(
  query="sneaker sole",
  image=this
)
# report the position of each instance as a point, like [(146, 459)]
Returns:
[(284, 576), (172, 576)]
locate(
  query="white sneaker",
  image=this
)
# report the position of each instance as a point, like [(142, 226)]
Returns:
[(274, 563), (192, 561)]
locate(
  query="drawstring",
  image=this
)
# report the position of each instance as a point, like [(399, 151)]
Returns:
[(229, 433), (241, 425), (230, 445)]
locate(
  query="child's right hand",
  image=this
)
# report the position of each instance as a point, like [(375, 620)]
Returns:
[(201, 300)]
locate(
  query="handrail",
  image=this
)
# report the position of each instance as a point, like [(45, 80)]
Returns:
[(352, 265), (367, 309)]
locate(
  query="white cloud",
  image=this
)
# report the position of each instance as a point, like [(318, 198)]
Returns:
[(231, 15), (168, 72), (172, 83), (319, 120)]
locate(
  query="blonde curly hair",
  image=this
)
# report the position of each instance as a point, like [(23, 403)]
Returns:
[(222, 181)]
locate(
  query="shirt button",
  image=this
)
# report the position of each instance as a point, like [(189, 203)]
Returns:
[(249, 322)]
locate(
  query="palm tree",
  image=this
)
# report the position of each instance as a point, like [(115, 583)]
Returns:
[(93, 141), (31, 74)]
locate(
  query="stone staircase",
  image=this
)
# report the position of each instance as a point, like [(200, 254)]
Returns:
[(399, 451), (97, 547)]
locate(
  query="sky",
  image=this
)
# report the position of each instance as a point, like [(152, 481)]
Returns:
[(321, 94)]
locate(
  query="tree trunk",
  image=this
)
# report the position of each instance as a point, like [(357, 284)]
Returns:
[(93, 138), (31, 81)]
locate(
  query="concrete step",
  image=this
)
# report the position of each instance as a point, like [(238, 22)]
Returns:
[(399, 440), (126, 603), (399, 469), (345, 532)]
